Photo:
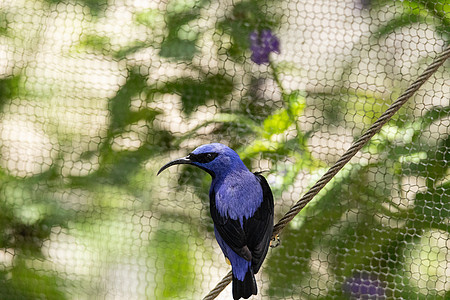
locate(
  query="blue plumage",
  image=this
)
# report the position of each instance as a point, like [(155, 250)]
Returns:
[(238, 194), (240, 265), (241, 206)]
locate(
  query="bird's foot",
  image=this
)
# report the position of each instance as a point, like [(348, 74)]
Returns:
[(275, 242), (227, 261)]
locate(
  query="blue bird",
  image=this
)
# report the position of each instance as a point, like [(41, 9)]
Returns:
[(241, 206)]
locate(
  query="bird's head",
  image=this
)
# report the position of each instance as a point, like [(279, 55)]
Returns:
[(216, 159)]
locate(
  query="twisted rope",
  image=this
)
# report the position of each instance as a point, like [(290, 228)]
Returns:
[(345, 158)]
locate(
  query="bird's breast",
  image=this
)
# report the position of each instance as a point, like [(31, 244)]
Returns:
[(238, 196)]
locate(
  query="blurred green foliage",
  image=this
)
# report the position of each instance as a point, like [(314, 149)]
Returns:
[(361, 241), (195, 93), (9, 88), (22, 282), (172, 249), (345, 222), (96, 7), (432, 12), (246, 16)]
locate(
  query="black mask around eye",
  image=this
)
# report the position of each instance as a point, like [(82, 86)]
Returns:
[(203, 158)]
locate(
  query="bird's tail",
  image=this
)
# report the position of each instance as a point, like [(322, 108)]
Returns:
[(244, 289)]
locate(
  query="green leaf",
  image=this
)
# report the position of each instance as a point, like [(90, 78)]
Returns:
[(195, 93), (131, 48), (397, 23), (94, 43), (259, 146), (434, 165), (96, 7), (147, 114), (431, 116), (296, 102), (432, 208), (177, 48), (434, 12), (284, 118), (23, 283), (277, 123), (120, 104), (9, 88)]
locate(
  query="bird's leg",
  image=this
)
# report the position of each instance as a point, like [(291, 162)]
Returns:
[(227, 261), (275, 242)]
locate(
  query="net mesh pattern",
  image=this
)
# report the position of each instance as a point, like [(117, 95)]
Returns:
[(95, 96)]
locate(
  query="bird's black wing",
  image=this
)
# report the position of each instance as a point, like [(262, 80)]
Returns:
[(230, 230), (259, 228)]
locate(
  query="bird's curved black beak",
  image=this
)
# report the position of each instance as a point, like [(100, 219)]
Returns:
[(180, 161)]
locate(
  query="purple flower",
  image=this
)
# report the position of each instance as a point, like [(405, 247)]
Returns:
[(364, 285), (262, 44)]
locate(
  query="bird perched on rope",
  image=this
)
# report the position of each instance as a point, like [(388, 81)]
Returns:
[(241, 206)]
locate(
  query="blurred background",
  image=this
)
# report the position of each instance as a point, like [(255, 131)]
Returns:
[(95, 96)]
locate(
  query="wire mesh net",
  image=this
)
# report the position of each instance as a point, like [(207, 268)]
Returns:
[(95, 96)]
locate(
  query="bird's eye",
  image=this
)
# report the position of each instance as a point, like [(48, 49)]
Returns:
[(203, 157), (210, 157)]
